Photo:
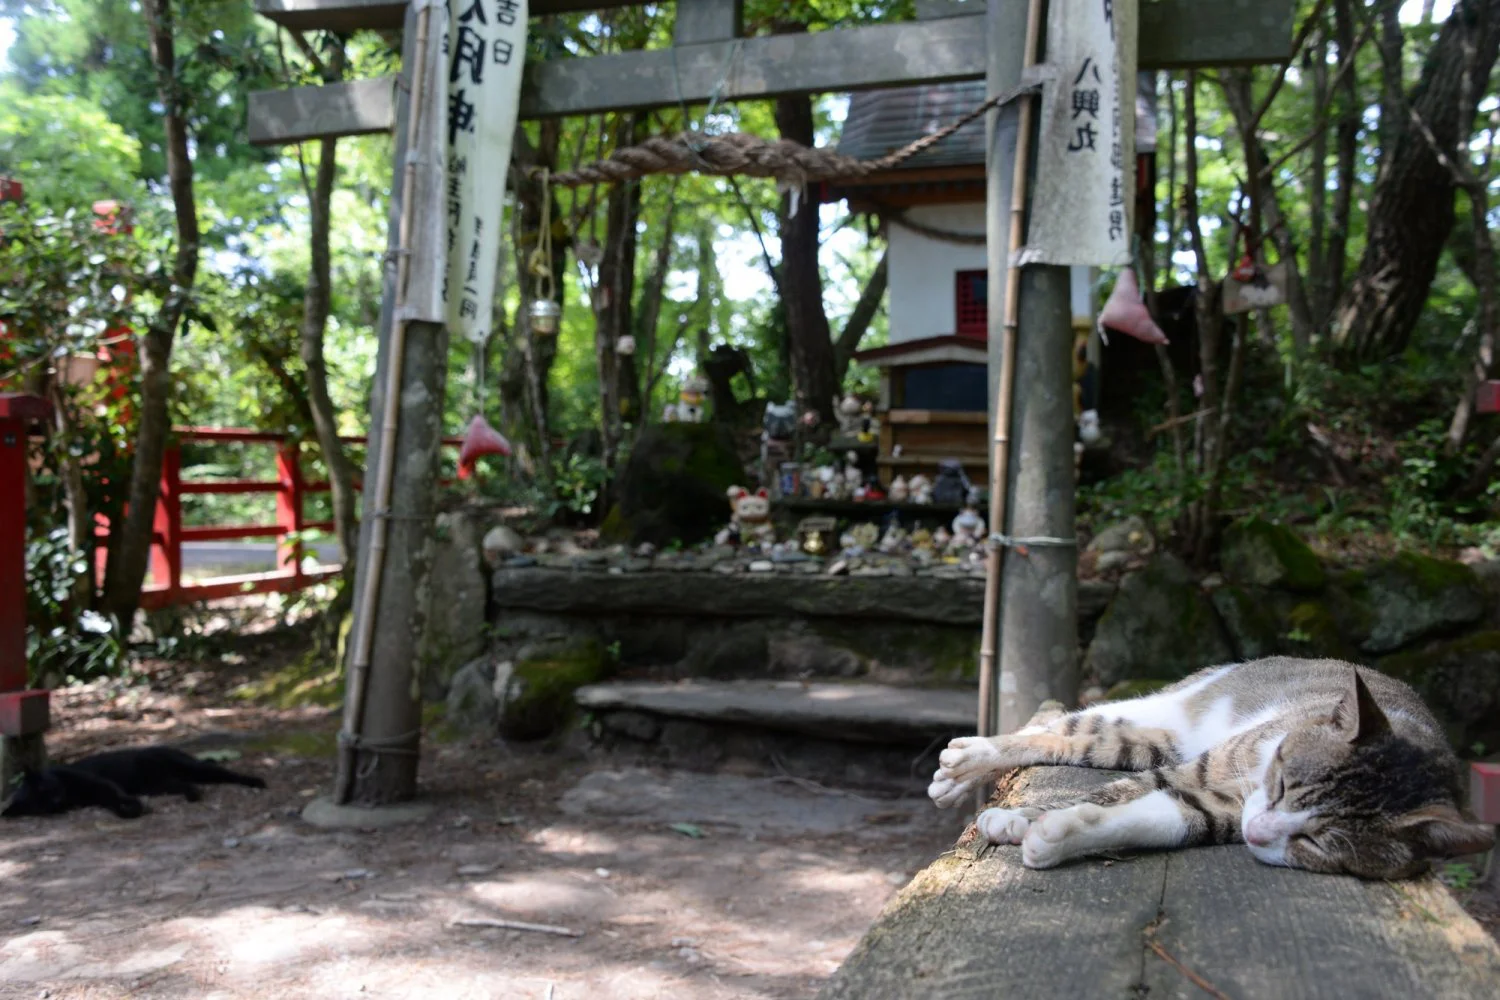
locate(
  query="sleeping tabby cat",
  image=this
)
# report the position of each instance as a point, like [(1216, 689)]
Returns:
[(1313, 764)]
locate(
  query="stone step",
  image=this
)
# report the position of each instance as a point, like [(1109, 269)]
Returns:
[(854, 711)]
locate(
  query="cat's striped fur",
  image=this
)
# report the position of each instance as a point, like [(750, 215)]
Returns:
[(1314, 764)]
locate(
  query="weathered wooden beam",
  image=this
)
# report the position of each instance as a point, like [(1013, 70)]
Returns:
[(334, 15), (1173, 33), (972, 928), (1183, 34), (358, 107), (387, 15), (881, 55), (708, 21)]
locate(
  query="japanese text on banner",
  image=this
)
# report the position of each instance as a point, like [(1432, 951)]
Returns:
[(1085, 162), (485, 49)]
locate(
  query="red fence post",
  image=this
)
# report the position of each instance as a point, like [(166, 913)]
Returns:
[(289, 508), (22, 712), (166, 553)]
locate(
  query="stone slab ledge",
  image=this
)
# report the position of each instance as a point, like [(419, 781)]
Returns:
[(910, 599)]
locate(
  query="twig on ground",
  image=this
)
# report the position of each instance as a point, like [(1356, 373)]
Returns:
[(1170, 959), (807, 784), (516, 925)]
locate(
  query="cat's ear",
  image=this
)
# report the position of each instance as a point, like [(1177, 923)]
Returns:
[(1439, 830), (1358, 716)]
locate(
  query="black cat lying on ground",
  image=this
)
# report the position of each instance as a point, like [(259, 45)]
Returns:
[(115, 779)]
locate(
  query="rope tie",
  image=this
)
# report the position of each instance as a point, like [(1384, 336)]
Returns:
[(999, 541), (395, 745), (790, 163)]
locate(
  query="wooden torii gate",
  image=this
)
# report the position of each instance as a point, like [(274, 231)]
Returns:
[(710, 58)]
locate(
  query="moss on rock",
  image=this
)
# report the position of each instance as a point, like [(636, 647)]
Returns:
[(1460, 681), (539, 692), (674, 483), (1258, 553), (1249, 619), (1126, 690), (1412, 597), (1159, 624)]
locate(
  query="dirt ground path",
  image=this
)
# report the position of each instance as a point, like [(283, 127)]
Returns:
[(761, 890)]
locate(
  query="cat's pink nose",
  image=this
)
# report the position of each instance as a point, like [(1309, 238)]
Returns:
[(1258, 833)]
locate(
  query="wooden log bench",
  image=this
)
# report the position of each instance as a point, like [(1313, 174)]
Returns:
[(1203, 922)]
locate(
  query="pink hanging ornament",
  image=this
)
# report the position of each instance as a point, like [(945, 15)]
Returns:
[(1125, 312), (479, 439)]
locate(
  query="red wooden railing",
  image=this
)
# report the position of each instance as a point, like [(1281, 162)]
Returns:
[(22, 712), (167, 587)]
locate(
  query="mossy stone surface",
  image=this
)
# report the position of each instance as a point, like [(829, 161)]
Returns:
[(1412, 597), (1259, 553), (1460, 681), (674, 485), (538, 695), (1329, 625), (1250, 619), (1126, 690), (1160, 624)]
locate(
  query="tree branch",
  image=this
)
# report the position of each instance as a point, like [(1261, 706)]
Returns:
[(860, 319)]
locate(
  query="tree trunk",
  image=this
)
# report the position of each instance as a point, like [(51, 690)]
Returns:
[(1265, 207), (648, 315), (1203, 515), (1411, 211), (808, 334), (1392, 42), (860, 319), (614, 296), (1346, 145), (127, 571), (1315, 68), (528, 359), (315, 308)]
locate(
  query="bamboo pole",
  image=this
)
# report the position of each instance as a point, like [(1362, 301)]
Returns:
[(1000, 455), (390, 410)]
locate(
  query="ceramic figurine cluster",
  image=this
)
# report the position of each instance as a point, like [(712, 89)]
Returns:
[(751, 531)]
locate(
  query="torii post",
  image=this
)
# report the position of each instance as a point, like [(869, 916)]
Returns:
[(710, 58)]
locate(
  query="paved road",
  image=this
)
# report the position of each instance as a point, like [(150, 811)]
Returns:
[(251, 556)]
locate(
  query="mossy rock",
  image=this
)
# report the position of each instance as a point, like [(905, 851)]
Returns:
[(1258, 553), (1412, 597), (538, 698), (674, 485), (1250, 619), (1460, 681), (1125, 690), (1328, 626), (1158, 625), (843, 648)]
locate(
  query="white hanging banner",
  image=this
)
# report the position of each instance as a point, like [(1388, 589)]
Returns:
[(485, 50), (1082, 201)]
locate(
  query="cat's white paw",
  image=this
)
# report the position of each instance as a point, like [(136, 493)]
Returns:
[(1054, 837), (1003, 826), (967, 760)]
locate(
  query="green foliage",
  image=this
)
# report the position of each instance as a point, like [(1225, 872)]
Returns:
[(64, 147), (63, 642), (577, 481)]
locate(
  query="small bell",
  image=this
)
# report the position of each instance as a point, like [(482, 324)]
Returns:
[(544, 314)]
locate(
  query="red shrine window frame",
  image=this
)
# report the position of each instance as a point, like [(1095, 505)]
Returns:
[(971, 304)]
